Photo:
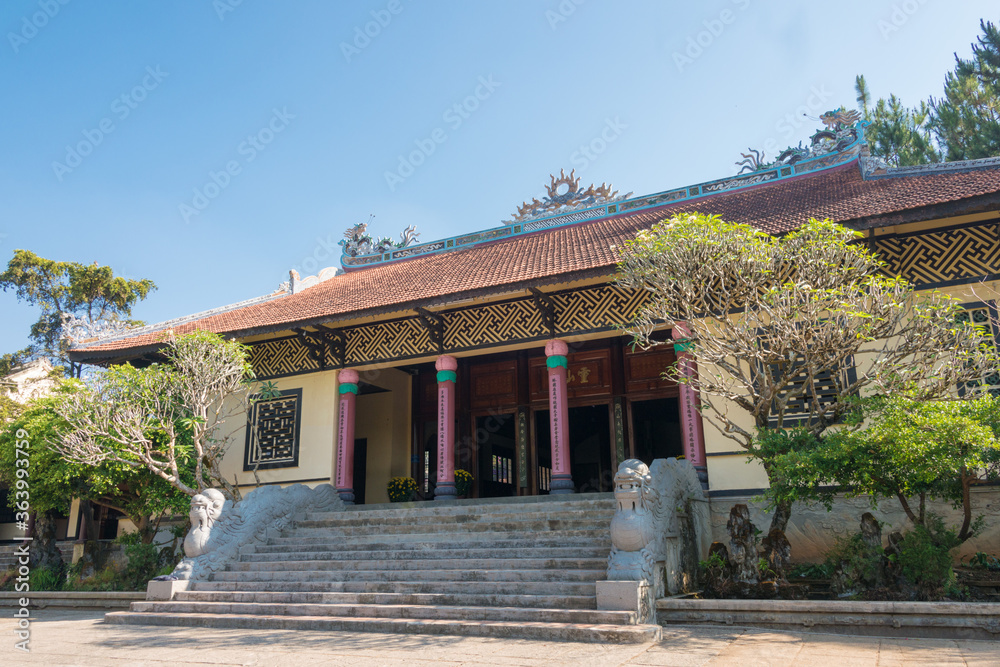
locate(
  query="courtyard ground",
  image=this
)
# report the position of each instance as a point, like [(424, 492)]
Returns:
[(80, 638)]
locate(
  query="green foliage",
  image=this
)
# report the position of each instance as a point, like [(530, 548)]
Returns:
[(900, 135), (463, 482), (908, 448), (924, 558), (91, 292), (45, 579), (853, 563), (810, 571), (401, 489), (963, 124), (54, 481), (165, 418), (985, 561)]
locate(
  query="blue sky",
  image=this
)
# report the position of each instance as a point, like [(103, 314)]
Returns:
[(212, 145)]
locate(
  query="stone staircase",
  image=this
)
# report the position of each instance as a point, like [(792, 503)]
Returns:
[(517, 567)]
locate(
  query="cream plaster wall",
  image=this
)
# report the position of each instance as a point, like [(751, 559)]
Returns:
[(316, 437), (384, 419)]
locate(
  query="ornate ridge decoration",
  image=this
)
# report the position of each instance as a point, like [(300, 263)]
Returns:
[(77, 330), (572, 198), (357, 241), (837, 145)]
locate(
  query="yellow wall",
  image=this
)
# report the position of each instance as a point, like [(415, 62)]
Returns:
[(316, 437), (384, 419)]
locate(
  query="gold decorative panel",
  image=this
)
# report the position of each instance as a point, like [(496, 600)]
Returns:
[(944, 256), (384, 341)]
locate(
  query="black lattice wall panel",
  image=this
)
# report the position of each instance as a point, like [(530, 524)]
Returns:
[(493, 324), (944, 256), (596, 308), (385, 341), (827, 386), (273, 432)]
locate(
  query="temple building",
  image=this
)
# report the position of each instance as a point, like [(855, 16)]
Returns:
[(500, 351)]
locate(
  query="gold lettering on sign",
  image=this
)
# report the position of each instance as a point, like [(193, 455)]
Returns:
[(584, 374)]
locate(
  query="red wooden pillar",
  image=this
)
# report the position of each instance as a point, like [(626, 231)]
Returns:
[(692, 429), (562, 478), (348, 380), (446, 376)]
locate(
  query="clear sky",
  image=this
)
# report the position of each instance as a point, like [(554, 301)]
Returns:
[(212, 145)]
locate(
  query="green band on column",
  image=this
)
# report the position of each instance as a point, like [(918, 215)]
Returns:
[(683, 346), (349, 388), (447, 376), (557, 360)]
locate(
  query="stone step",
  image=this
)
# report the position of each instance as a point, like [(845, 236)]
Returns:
[(493, 506), (324, 542), (405, 551), (278, 596), (406, 587), (522, 629), (528, 526), (494, 564), (455, 576), (391, 611), (596, 514)]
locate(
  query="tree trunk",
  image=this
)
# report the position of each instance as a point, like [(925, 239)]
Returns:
[(44, 553), (782, 513)]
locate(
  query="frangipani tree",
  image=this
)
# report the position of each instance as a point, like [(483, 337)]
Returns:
[(789, 329), (162, 415)]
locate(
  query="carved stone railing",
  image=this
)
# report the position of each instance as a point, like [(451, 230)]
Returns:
[(660, 531), (221, 531)]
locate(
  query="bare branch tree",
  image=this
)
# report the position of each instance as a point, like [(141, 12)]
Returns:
[(167, 418), (769, 317)]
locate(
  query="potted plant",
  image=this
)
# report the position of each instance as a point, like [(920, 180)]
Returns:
[(401, 489), (463, 482)]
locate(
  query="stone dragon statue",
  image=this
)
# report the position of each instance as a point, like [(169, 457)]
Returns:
[(661, 524), (357, 240), (221, 530)]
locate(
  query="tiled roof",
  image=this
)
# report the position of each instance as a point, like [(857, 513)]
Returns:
[(840, 194)]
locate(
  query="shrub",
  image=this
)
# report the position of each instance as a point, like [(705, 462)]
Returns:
[(985, 561), (47, 579), (463, 482), (923, 559), (401, 489), (854, 565)]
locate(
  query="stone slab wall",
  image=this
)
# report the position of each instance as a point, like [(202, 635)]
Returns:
[(812, 530)]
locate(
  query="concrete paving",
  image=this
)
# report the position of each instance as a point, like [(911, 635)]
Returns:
[(65, 638)]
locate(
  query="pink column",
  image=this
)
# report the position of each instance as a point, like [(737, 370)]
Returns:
[(446, 377), (562, 478), (348, 380), (692, 430)]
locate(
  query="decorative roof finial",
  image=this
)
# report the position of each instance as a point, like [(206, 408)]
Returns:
[(564, 194)]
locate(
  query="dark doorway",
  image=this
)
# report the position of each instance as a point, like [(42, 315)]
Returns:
[(496, 437), (360, 469), (656, 429), (543, 451), (589, 448)]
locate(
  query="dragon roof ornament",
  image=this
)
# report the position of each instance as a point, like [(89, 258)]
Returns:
[(564, 195), (841, 131), (357, 240)]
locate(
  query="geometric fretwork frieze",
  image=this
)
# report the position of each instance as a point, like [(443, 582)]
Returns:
[(273, 432), (943, 256), (592, 309)]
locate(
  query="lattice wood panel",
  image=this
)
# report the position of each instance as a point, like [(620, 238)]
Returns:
[(493, 324), (596, 308), (943, 256), (276, 426), (384, 341)]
